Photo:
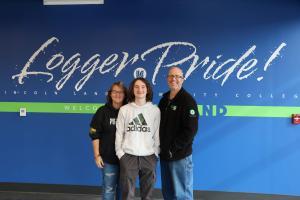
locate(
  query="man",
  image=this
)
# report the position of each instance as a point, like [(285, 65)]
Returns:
[(178, 127)]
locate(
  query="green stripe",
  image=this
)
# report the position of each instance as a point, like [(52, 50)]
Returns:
[(204, 110), (261, 111), (248, 111), (43, 107)]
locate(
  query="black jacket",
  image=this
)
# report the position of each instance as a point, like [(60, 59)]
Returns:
[(103, 127), (178, 125)]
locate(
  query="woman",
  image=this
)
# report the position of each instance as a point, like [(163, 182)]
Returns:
[(137, 140), (102, 133)]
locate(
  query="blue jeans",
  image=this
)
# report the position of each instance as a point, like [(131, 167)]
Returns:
[(111, 182), (177, 179)]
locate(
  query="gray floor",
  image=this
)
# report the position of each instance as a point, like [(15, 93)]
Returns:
[(9, 195), (14, 195), (45, 196), (28, 191)]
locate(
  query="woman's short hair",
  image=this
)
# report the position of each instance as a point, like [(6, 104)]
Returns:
[(149, 94), (122, 86)]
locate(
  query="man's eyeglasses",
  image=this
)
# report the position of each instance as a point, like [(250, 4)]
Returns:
[(117, 92), (171, 76)]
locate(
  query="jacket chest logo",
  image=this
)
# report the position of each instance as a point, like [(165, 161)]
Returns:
[(112, 121), (173, 107)]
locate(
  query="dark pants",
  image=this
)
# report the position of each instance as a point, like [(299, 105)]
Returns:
[(132, 166)]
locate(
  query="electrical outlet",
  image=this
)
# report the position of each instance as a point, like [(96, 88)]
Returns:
[(23, 112)]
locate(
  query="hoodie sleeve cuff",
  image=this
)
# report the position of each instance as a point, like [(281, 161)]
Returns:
[(157, 151), (120, 154)]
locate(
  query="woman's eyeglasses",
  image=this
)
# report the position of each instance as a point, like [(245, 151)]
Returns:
[(117, 92)]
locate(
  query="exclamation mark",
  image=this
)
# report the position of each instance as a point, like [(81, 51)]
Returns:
[(275, 54)]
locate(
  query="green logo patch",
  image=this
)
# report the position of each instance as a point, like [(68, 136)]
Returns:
[(192, 112), (173, 107)]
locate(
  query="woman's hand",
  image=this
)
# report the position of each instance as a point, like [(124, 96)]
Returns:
[(99, 162)]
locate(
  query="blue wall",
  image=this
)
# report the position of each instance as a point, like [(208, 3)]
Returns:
[(239, 53)]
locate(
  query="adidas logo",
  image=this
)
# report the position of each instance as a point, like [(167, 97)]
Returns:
[(138, 124)]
